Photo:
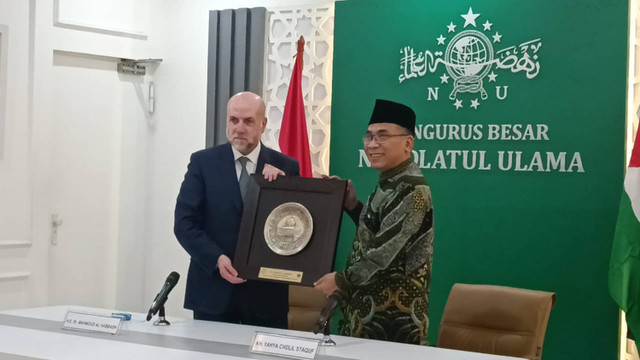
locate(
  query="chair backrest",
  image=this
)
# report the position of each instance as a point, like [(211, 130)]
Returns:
[(496, 320), (305, 305)]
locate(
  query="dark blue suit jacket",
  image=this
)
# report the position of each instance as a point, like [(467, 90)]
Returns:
[(207, 221)]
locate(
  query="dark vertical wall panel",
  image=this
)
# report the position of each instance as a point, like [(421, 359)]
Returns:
[(239, 51), (223, 73), (256, 59), (212, 96), (236, 63)]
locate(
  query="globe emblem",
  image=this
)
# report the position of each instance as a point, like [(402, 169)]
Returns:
[(469, 54), (468, 59)]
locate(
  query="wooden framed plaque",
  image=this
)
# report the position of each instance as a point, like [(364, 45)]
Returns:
[(289, 229)]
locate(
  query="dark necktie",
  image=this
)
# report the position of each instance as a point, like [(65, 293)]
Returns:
[(243, 181)]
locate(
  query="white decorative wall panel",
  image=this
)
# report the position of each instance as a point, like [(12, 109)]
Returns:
[(315, 24), (113, 17)]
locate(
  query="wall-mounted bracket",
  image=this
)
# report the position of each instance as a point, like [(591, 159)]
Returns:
[(135, 67)]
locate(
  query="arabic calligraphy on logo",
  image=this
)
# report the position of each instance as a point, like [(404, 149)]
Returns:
[(469, 57)]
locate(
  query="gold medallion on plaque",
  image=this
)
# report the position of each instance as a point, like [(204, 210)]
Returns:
[(288, 228)]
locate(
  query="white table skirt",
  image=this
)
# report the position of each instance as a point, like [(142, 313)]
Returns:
[(36, 333)]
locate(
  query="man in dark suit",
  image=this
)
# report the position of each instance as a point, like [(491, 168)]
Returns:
[(207, 221)]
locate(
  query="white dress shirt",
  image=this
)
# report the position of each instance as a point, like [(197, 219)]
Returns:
[(251, 164)]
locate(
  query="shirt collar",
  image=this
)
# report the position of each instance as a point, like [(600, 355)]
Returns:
[(385, 175), (253, 156)]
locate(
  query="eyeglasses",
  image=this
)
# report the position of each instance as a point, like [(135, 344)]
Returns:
[(380, 138)]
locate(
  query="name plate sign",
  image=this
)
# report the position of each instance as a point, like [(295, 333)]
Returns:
[(285, 346), (92, 323), (279, 274)]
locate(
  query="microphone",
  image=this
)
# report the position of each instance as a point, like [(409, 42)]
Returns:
[(161, 298), (324, 320)]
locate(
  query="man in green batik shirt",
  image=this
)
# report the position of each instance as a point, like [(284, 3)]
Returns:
[(384, 291)]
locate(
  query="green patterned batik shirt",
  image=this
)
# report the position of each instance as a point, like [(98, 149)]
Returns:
[(384, 290)]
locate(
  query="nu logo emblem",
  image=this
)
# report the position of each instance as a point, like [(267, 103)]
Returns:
[(469, 62)]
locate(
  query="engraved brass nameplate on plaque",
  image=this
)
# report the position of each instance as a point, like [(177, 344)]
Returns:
[(281, 275)]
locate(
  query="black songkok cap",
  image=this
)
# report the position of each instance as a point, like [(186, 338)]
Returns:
[(386, 111)]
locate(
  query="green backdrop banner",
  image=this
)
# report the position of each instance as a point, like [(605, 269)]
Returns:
[(520, 134)]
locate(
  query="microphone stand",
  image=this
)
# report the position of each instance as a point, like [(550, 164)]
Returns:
[(326, 335), (161, 320), (323, 324)]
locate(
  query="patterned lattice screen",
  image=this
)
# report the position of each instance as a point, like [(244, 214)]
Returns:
[(315, 23)]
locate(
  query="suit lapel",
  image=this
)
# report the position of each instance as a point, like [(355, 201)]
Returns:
[(262, 158)]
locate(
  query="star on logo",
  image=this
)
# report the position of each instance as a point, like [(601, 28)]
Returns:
[(496, 37), (475, 103), (487, 26), (444, 79), (441, 39), (470, 18), (458, 104), (451, 27), (492, 77)]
